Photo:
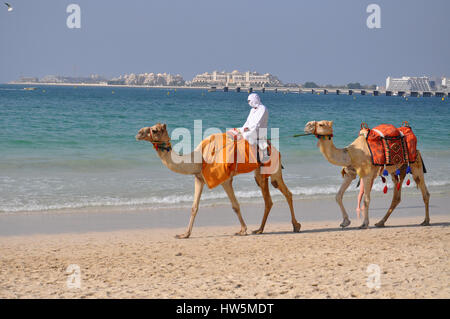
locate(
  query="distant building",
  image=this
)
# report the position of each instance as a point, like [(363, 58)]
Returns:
[(409, 83), (92, 79), (150, 79), (236, 78), (28, 80), (445, 83)]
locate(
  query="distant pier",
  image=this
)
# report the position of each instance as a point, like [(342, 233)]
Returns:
[(318, 91), (336, 91)]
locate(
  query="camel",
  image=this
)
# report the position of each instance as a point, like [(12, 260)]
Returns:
[(356, 160), (185, 164)]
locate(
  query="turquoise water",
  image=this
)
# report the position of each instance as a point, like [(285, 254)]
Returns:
[(67, 147)]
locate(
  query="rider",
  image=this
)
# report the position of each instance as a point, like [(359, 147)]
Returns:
[(254, 129)]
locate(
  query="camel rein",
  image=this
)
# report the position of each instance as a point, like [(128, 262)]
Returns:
[(306, 134), (167, 146)]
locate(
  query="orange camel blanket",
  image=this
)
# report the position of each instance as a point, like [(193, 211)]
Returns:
[(389, 145), (224, 155)]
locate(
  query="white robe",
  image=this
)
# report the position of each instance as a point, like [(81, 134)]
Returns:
[(256, 122)]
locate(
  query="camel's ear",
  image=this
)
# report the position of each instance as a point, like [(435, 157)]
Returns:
[(164, 127), (331, 123)]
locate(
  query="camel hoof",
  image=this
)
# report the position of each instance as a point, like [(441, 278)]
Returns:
[(425, 223), (182, 236), (364, 226), (241, 233), (379, 224), (297, 227), (345, 223), (257, 232)]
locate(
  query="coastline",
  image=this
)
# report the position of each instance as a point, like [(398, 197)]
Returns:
[(171, 87), (107, 85), (107, 219), (219, 88), (282, 89)]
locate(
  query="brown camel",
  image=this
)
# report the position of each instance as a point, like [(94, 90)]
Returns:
[(186, 164), (356, 160)]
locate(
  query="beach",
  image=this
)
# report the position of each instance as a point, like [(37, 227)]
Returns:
[(138, 260)]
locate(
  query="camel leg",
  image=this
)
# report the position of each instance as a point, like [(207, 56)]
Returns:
[(263, 183), (368, 183), (199, 183), (228, 187), (396, 198), (278, 182), (419, 178), (349, 176)]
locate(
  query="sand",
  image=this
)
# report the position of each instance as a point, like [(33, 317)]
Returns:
[(322, 261)]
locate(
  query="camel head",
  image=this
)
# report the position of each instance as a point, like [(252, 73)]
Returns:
[(364, 132), (153, 134), (319, 127)]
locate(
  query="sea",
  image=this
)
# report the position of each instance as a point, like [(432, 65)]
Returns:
[(72, 148)]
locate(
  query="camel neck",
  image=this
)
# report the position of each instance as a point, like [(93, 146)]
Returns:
[(334, 155), (179, 164)]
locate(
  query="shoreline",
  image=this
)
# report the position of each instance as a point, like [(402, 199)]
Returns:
[(438, 191), (116, 218), (244, 89), (171, 87)]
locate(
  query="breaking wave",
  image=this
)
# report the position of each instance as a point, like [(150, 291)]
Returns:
[(185, 200)]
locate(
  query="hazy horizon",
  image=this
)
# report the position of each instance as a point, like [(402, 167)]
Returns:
[(298, 41)]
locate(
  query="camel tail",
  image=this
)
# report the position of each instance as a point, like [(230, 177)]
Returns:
[(423, 165)]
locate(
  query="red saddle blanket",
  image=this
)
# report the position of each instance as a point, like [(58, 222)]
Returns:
[(389, 145)]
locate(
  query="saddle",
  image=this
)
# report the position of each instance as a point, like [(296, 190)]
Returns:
[(390, 145), (223, 154)]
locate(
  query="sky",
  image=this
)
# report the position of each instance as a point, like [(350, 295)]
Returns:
[(325, 41)]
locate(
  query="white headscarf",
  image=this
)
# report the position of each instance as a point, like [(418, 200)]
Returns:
[(256, 121), (254, 100)]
